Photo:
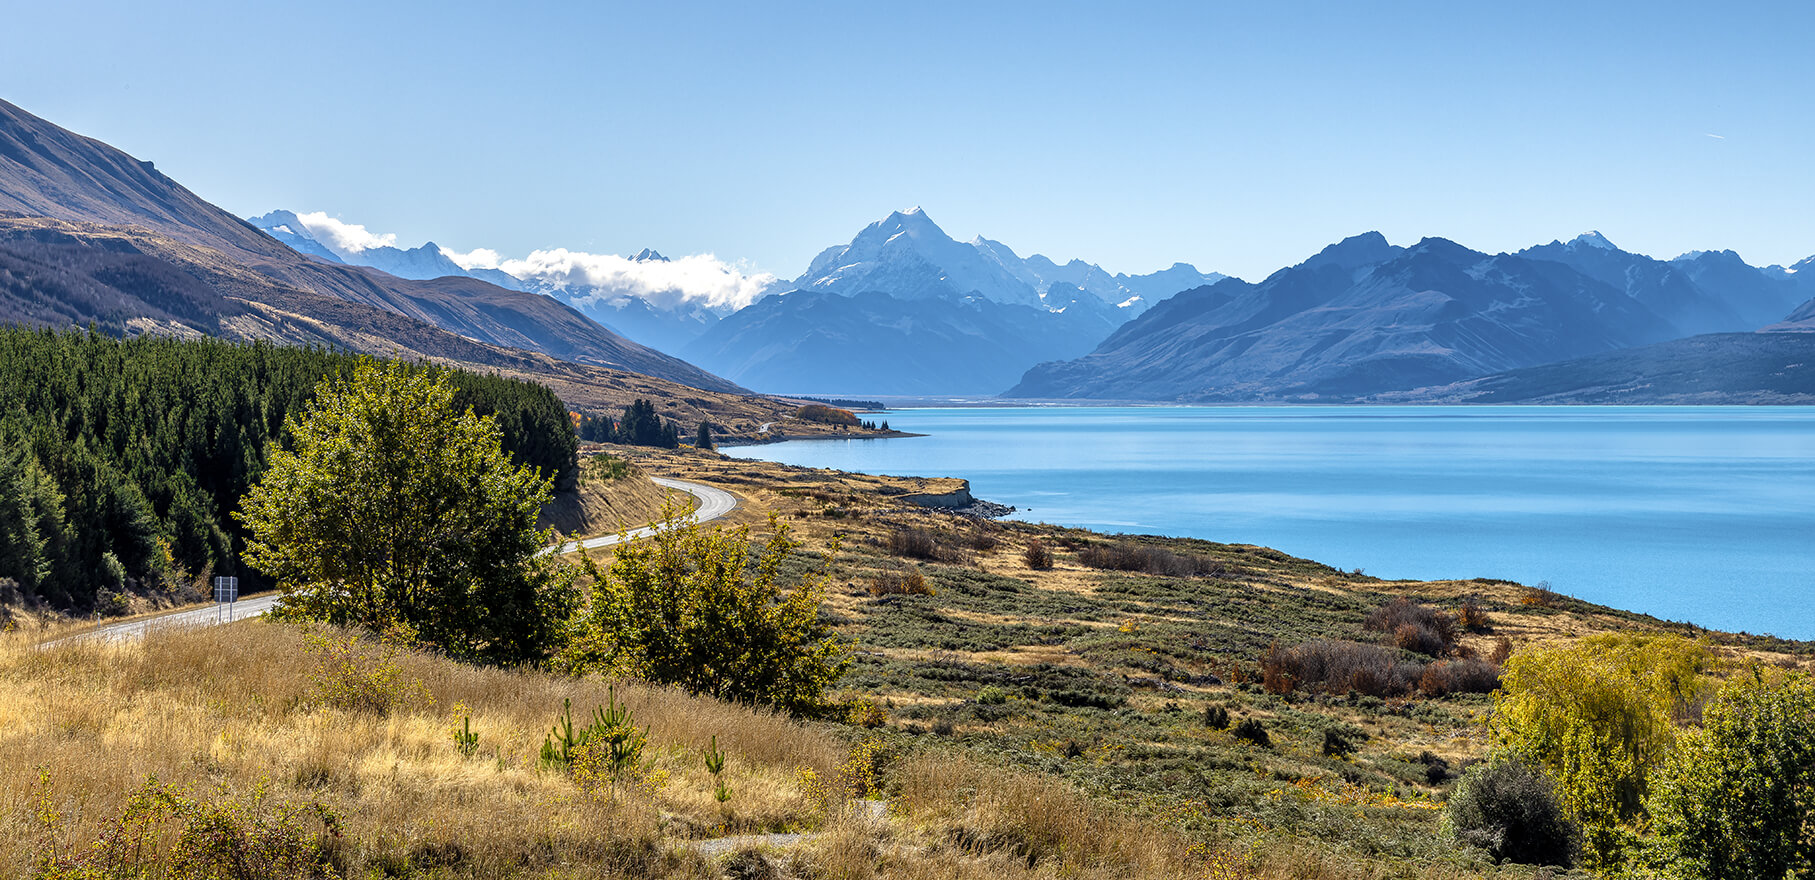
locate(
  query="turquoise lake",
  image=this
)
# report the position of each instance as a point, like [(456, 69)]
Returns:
[(1704, 514)]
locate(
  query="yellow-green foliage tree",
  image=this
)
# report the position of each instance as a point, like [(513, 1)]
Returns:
[(705, 610), (1736, 799), (395, 512), (1598, 716)]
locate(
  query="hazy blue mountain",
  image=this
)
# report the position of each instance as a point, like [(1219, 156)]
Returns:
[(1360, 317), (665, 329), (1718, 368), (1132, 294), (821, 342), (1760, 295), (1701, 292)]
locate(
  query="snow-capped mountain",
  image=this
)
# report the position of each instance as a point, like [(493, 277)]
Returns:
[(657, 301), (1133, 294), (312, 236), (908, 256)]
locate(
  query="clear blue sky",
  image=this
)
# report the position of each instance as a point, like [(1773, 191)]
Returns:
[(1240, 137)]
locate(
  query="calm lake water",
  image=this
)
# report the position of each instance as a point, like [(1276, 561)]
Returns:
[(1688, 513)]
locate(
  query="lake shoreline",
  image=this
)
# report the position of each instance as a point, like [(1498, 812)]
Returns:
[(1683, 512)]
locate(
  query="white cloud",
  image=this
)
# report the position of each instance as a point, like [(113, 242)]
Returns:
[(478, 258), (692, 281), (344, 239), (700, 279)]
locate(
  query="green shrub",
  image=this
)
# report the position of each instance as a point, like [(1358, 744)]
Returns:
[(1737, 797), (1336, 744), (466, 741), (358, 678), (166, 831), (1598, 716), (1512, 812), (608, 746), (1216, 717), (990, 695), (705, 610), (1253, 731)]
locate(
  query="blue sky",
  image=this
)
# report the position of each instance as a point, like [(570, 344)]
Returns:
[(1239, 137)]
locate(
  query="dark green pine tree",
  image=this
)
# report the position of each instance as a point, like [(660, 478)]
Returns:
[(703, 437)]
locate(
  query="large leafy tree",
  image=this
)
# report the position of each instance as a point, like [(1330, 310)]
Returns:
[(395, 511), (1598, 717), (706, 610), (1737, 797)]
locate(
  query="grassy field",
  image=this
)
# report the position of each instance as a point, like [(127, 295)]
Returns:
[(1051, 703)]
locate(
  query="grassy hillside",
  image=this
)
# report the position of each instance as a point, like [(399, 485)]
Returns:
[(1029, 701)]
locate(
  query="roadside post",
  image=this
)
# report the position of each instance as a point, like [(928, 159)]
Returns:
[(226, 592)]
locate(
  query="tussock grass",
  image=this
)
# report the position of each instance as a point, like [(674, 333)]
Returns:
[(238, 709)]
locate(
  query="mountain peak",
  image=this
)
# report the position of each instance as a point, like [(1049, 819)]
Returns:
[(649, 255), (1353, 252), (1593, 238)]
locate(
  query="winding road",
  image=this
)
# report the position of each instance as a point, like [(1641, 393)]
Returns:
[(713, 503)]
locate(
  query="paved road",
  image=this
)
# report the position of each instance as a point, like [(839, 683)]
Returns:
[(714, 503)]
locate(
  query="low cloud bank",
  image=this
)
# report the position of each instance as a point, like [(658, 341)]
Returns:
[(346, 240), (697, 280)]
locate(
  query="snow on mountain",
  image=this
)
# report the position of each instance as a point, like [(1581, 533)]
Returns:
[(1593, 238), (908, 256), (655, 300)]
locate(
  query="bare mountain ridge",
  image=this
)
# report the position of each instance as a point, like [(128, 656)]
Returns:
[(1364, 317), (46, 171)]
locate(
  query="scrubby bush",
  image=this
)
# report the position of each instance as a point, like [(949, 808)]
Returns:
[(1338, 667), (1512, 811), (1128, 556), (707, 611), (915, 543), (1414, 627), (1467, 676), (1216, 717), (1251, 730), (905, 583), (166, 830), (1337, 744), (1472, 617), (1541, 596), (359, 677), (1037, 556)]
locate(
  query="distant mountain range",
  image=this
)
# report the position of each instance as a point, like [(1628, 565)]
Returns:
[(89, 234), (1364, 317), (999, 313), (923, 314)]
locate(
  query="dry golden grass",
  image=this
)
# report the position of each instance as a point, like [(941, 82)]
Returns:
[(227, 712), (231, 709)]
